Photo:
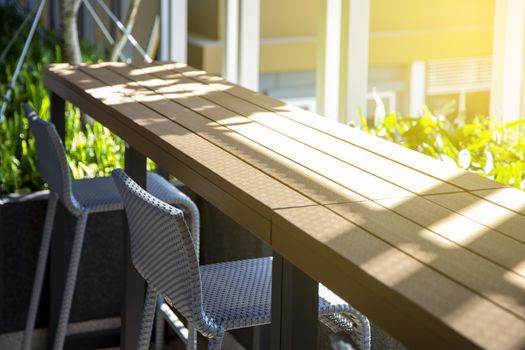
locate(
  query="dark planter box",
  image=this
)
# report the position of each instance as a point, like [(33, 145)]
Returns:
[(99, 281)]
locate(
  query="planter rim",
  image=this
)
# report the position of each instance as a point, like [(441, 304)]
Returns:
[(23, 197)]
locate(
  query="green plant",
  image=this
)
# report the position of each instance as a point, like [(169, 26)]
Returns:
[(91, 149), (486, 146)]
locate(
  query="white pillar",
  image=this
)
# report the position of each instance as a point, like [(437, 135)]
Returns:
[(164, 7), (417, 88), (241, 42), (329, 70), (249, 44), (342, 72), (358, 38), (179, 30), (507, 60), (230, 52), (173, 30)]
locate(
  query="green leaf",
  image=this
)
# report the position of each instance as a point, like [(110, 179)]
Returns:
[(486, 145)]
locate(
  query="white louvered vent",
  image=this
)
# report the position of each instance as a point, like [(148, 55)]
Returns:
[(458, 74)]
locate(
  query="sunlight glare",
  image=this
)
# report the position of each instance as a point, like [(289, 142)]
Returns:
[(187, 87), (511, 198), (450, 228), (484, 212), (514, 278), (152, 82), (458, 229), (147, 97), (221, 87), (147, 70), (195, 73)]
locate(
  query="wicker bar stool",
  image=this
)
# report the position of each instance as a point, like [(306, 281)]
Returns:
[(213, 298), (80, 197)]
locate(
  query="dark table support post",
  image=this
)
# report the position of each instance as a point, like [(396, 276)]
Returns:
[(61, 240), (262, 334), (134, 287), (294, 307), (163, 172), (58, 114)]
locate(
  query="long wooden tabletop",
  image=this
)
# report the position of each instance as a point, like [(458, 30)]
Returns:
[(431, 253)]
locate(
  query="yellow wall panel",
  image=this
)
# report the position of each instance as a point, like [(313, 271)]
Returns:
[(299, 17), (195, 56), (212, 60), (288, 57), (203, 18), (404, 49), (289, 17), (401, 31), (273, 57), (396, 15), (277, 57)]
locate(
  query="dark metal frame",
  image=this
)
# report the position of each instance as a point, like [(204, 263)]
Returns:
[(294, 307)]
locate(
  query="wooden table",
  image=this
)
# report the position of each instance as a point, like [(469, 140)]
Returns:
[(432, 254)]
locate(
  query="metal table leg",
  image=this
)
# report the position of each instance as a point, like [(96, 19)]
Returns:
[(58, 114), (294, 307), (134, 286)]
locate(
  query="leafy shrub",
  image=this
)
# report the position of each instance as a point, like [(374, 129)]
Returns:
[(486, 146), (91, 149)]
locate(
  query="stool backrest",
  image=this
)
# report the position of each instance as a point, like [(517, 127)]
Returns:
[(51, 158), (162, 249)]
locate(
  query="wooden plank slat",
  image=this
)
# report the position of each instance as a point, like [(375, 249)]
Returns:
[(72, 85), (418, 305), (487, 213), (222, 168), (400, 154), (371, 163), (293, 175), (356, 180), (497, 249), (510, 198), (245, 216), (496, 283), (460, 231)]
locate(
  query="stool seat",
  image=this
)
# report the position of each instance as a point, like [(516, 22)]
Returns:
[(99, 194), (238, 294)]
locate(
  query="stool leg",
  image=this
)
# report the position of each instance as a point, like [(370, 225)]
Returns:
[(192, 338), (361, 332), (40, 271), (215, 343), (147, 319), (71, 279), (159, 326)]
